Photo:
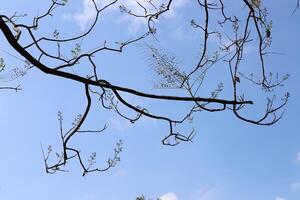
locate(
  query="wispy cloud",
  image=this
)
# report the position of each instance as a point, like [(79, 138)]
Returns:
[(136, 23), (134, 7), (121, 173), (279, 198), (90, 197), (176, 5), (82, 18), (295, 186), (88, 12), (118, 124), (298, 158), (204, 194), (169, 196), (209, 194)]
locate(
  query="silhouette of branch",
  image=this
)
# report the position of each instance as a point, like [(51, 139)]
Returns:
[(252, 27)]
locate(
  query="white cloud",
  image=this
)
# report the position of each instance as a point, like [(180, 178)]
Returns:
[(90, 197), (88, 12), (136, 23), (117, 123), (136, 8), (176, 5), (209, 194), (295, 186), (169, 196), (121, 173), (87, 15), (298, 158), (279, 198)]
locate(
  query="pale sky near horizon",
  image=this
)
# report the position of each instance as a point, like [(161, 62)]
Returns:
[(228, 160)]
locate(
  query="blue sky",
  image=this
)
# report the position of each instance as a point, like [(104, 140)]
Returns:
[(228, 159)]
